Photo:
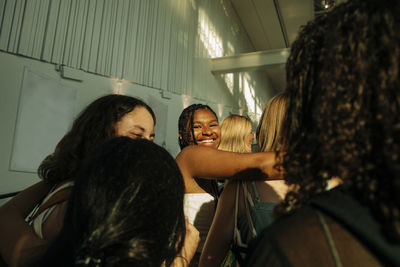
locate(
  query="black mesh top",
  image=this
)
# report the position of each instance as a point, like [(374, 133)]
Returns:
[(334, 230)]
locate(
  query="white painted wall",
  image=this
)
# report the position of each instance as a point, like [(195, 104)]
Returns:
[(198, 30)]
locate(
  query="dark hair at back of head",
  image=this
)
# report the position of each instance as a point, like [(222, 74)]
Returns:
[(343, 79), (126, 209), (185, 124), (94, 125)]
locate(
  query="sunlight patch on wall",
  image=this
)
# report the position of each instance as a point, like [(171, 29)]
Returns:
[(117, 86), (240, 83), (257, 117), (228, 78), (220, 110), (185, 101), (210, 39), (259, 110), (230, 48), (249, 94)]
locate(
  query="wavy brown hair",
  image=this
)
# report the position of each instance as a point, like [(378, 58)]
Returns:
[(94, 125), (344, 104)]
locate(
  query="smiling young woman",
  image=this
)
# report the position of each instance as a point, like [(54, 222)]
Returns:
[(207, 131), (198, 125), (201, 164), (137, 124)]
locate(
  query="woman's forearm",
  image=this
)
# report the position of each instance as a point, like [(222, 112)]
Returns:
[(196, 161)]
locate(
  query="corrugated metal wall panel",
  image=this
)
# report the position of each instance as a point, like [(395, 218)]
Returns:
[(60, 36), (51, 28), (12, 22), (130, 42), (154, 7), (159, 44), (191, 43), (166, 44), (2, 9), (30, 31), (93, 29), (166, 47), (172, 65)]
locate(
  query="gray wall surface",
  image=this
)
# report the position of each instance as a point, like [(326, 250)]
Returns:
[(156, 50)]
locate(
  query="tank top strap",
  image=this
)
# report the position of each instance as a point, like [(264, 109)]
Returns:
[(256, 195)]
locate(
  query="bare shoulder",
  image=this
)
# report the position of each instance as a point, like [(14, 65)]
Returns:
[(54, 222)]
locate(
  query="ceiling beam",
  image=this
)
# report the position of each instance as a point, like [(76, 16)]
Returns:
[(250, 61)]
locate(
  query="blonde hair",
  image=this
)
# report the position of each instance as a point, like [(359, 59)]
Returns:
[(234, 130), (269, 130)]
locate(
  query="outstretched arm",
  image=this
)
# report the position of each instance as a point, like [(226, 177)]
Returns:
[(18, 241), (197, 161)]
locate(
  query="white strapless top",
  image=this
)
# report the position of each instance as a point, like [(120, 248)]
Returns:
[(200, 209)]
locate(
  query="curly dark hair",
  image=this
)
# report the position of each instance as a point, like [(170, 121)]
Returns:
[(94, 125), (343, 115), (185, 124), (126, 209)]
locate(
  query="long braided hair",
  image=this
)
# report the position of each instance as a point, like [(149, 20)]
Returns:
[(185, 124), (344, 104)]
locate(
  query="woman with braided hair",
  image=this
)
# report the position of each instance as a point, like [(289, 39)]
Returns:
[(198, 125), (264, 195), (200, 121), (343, 81), (199, 137)]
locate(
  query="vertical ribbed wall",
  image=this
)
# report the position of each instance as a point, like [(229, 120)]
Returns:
[(164, 44)]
